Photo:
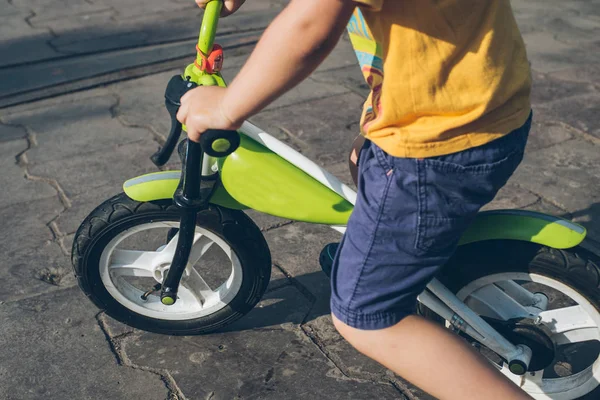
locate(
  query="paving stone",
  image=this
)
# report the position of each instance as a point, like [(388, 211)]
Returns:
[(82, 173), (83, 204), (48, 361), (307, 90), (567, 177), (547, 54), (61, 71), (580, 112), (76, 128), (48, 10), (349, 77), (546, 88), (142, 102), (312, 128), (113, 327), (511, 197), (7, 9), (16, 187), (576, 29), (21, 42), (131, 9), (8, 132), (546, 133), (32, 263), (111, 30), (546, 207), (78, 96), (581, 73), (296, 248), (258, 358), (126, 9), (266, 221)]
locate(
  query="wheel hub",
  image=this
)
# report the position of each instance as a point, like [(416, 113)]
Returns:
[(535, 336), (161, 271)]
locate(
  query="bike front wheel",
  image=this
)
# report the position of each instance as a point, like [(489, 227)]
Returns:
[(123, 250)]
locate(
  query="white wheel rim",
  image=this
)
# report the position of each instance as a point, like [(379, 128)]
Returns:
[(568, 325), (200, 301)]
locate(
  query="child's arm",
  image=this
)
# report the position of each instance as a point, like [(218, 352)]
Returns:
[(292, 47)]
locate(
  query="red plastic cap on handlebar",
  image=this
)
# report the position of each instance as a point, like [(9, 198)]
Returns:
[(211, 63)]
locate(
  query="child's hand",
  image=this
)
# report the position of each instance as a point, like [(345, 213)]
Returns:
[(202, 109), (229, 6)]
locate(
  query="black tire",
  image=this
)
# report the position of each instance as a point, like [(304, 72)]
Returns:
[(120, 213), (577, 268)]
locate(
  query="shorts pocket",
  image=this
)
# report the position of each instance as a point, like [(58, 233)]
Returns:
[(450, 195), (386, 162)]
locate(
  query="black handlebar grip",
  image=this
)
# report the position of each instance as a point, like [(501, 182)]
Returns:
[(219, 143)]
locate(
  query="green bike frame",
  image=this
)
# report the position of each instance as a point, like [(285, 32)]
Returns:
[(267, 175)]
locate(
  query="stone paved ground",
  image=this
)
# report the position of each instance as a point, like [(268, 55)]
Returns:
[(63, 155)]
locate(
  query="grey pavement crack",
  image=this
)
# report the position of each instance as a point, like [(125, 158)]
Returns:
[(366, 377), (403, 389), (114, 112), (116, 345), (307, 331), (23, 162), (277, 225), (33, 14), (301, 288), (541, 198), (293, 137)]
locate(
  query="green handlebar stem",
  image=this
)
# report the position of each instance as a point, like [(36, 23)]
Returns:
[(209, 27), (206, 39)]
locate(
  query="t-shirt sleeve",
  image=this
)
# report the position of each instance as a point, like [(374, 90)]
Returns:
[(374, 5)]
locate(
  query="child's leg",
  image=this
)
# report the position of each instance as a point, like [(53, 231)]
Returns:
[(432, 358), (406, 224)]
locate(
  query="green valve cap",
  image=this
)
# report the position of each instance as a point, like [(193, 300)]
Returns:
[(221, 145), (168, 301)]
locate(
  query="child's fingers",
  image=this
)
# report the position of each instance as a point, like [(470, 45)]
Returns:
[(202, 3), (183, 111)]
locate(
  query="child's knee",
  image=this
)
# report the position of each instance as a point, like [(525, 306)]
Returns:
[(361, 340)]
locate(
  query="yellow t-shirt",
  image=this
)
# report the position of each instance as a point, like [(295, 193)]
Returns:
[(445, 75)]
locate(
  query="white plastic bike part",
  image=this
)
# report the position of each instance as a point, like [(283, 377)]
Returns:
[(434, 304), (524, 297), (196, 298), (209, 165), (491, 338), (572, 324)]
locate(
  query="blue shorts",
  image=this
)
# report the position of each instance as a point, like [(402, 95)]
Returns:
[(406, 224)]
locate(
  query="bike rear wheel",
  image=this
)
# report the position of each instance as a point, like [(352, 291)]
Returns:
[(544, 298)]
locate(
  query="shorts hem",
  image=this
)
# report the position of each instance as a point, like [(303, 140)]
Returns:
[(373, 321)]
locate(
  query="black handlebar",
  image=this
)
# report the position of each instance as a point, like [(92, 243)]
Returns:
[(214, 142)]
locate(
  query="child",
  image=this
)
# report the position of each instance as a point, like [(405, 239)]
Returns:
[(447, 122)]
